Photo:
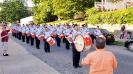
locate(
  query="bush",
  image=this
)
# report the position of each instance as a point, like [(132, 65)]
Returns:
[(79, 16), (124, 16)]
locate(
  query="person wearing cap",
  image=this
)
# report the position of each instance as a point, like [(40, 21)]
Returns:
[(19, 32), (27, 30), (68, 31), (76, 54), (100, 61), (32, 31), (23, 33), (47, 34), (38, 31), (4, 40), (58, 32)]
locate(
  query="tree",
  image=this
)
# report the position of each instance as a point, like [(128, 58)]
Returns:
[(43, 12), (13, 10), (64, 9)]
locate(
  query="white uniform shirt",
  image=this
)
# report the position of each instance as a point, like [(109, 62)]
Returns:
[(32, 30), (67, 32), (47, 34), (58, 31), (27, 30), (23, 29), (38, 31), (97, 32), (75, 33)]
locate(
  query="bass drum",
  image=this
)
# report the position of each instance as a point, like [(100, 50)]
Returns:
[(51, 41), (79, 43)]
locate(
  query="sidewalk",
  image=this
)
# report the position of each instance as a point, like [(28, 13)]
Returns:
[(22, 62)]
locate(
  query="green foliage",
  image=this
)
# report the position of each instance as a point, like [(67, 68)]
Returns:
[(124, 16), (42, 11), (63, 9), (79, 16), (13, 10)]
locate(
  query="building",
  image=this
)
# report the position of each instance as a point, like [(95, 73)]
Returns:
[(113, 5)]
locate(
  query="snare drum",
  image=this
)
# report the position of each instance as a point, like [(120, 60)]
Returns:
[(33, 35), (41, 37), (61, 36), (88, 42), (50, 40)]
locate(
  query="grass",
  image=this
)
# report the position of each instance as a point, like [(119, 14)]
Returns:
[(118, 43)]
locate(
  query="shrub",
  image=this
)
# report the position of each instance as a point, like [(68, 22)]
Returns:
[(124, 16)]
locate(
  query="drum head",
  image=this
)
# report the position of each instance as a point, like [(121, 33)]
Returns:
[(88, 42), (79, 43)]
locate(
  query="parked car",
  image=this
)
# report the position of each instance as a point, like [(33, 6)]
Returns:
[(129, 44), (108, 35)]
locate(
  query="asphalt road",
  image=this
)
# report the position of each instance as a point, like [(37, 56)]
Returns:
[(61, 59)]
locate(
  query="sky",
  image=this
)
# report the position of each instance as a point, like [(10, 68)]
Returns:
[(1, 0), (29, 2)]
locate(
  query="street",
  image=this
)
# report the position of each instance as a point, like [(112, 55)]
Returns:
[(61, 59)]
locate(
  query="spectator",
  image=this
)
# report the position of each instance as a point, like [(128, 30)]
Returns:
[(123, 28), (100, 61)]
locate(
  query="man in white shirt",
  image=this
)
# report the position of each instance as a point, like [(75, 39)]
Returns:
[(27, 33), (76, 54), (23, 33), (19, 32), (32, 31), (38, 31), (58, 32), (46, 44), (67, 33)]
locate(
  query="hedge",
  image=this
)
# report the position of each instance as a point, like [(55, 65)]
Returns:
[(123, 16)]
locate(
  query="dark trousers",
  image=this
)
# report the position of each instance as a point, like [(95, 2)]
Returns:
[(64, 40), (17, 35), (46, 46), (67, 44), (27, 39), (32, 40), (76, 56), (20, 35), (13, 34), (37, 43), (58, 40), (23, 38)]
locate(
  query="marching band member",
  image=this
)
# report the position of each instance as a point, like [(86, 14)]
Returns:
[(23, 33), (16, 29), (76, 54), (58, 32), (97, 33), (64, 32), (20, 33), (32, 36), (67, 32), (38, 31), (47, 34), (27, 33), (13, 30)]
